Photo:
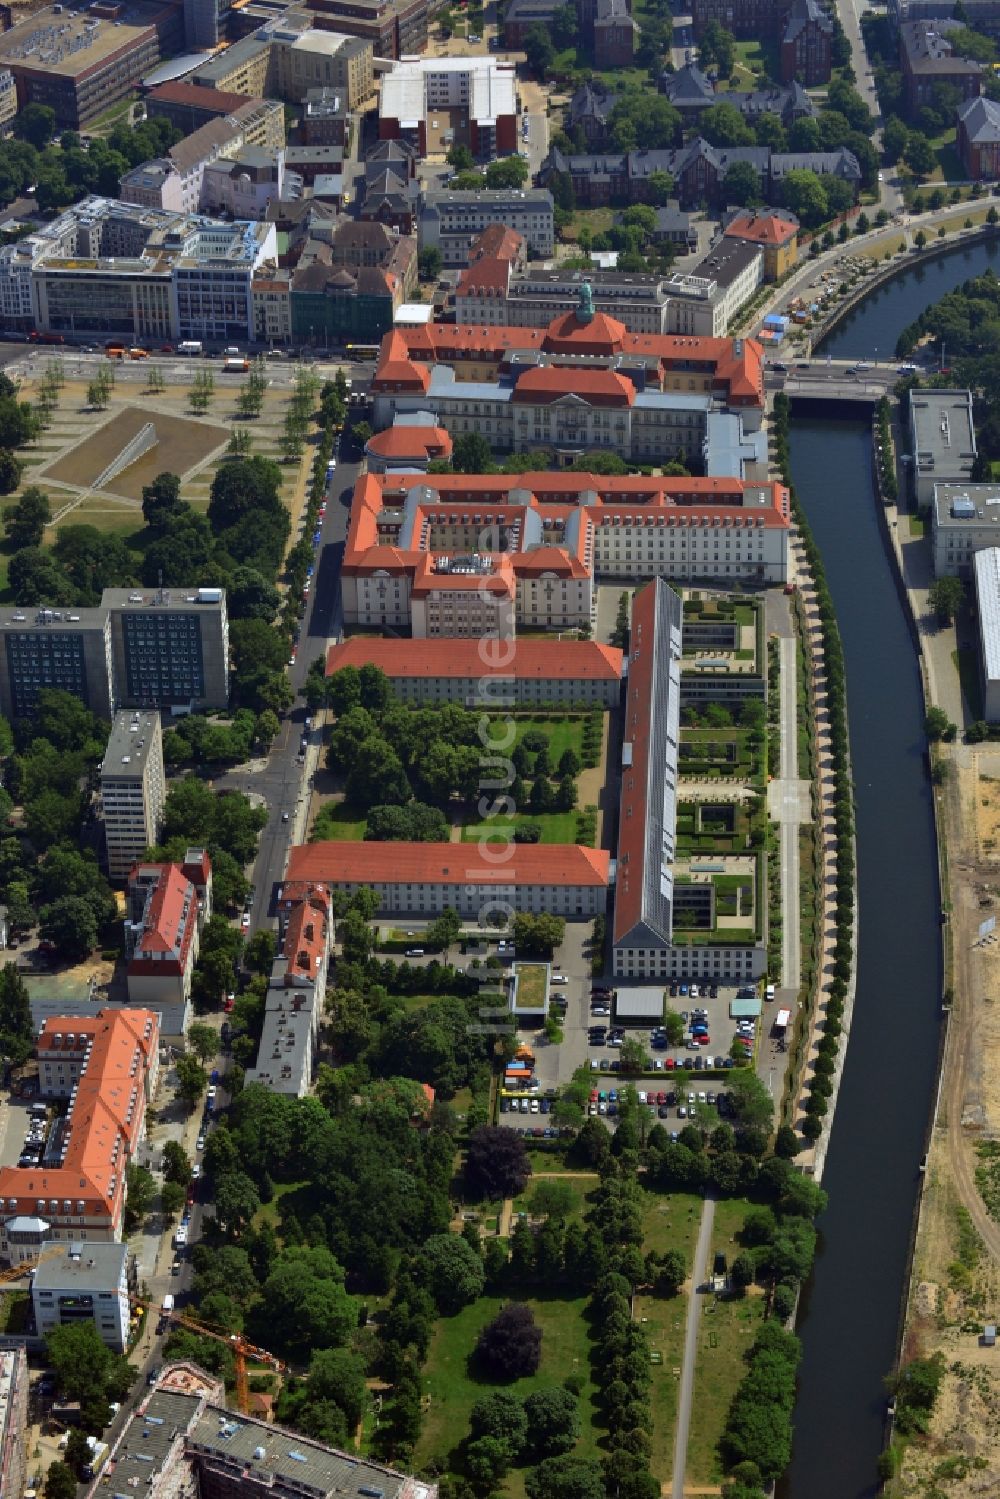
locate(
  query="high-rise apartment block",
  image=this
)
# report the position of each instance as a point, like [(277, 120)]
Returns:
[(143, 649), (132, 788)]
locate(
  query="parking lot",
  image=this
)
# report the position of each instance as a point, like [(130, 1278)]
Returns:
[(15, 1123)]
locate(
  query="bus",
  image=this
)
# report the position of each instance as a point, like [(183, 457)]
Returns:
[(362, 351)]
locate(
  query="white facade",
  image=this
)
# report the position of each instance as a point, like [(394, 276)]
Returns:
[(527, 691), (574, 902), (450, 222), (987, 574), (690, 547), (132, 789), (85, 1281), (965, 519)]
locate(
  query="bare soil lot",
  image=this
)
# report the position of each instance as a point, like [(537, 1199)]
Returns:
[(183, 444)]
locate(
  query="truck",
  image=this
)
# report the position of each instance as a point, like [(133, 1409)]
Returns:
[(234, 364), (190, 346)]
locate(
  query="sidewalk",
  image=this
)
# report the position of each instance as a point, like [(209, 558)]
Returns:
[(685, 1395)]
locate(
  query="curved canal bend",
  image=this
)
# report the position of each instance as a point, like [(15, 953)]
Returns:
[(849, 1319)]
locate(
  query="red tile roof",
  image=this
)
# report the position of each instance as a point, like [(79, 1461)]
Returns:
[(531, 658), (105, 1121), (733, 366), (488, 276), (305, 944), (448, 864), (599, 335), (209, 99), (499, 581), (497, 242), (411, 442), (764, 228), (598, 387), (171, 918)]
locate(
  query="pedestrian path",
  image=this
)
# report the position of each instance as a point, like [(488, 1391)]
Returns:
[(686, 1391)]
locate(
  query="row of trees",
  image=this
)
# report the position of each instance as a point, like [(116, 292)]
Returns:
[(821, 1088), (60, 175)]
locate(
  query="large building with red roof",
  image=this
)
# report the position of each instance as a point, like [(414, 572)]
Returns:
[(486, 882), (582, 383), (545, 537), (527, 673), (168, 904), (107, 1066)]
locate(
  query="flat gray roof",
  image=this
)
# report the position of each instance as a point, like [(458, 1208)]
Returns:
[(132, 733), (92, 1265), (944, 438), (146, 1443), (639, 1002), (958, 505)]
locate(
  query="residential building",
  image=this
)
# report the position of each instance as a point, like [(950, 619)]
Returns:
[(589, 110), (182, 1439), (135, 650), (103, 267), (434, 103), (243, 184), (132, 789), (807, 44), (942, 441), (698, 171), (350, 286), (775, 230), (176, 181), (8, 98), (204, 23), (294, 1004), (107, 1067), (317, 59), (556, 532), (536, 673), (167, 906), (927, 59), (420, 879), (489, 291), (170, 647), (675, 227), (520, 15), (451, 221), (243, 68), (729, 370), (744, 18), (691, 92), (987, 575), (706, 299), (13, 1420), (616, 35), (86, 1281), (79, 63), (67, 649), (980, 15), (188, 106), (979, 138), (310, 162), (396, 28), (272, 308), (324, 118), (965, 519)]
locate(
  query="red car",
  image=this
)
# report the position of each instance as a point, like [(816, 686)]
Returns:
[(669, 1064), (661, 1098)]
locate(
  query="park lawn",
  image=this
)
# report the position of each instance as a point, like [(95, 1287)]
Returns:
[(725, 1332), (338, 821), (531, 985), (270, 1212), (563, 732), (597, 220), (753, 57), (453, 1387), (580, 1187), (557, 827), (670, 1221)]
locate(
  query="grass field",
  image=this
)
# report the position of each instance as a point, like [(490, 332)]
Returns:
[(725, 1331), (755, 57), (557, 827), (338, 821), (531, 985), (580, 1188), (453, 1386)]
